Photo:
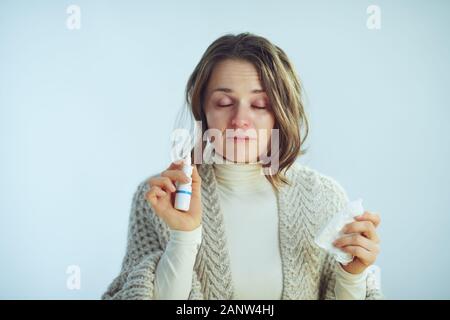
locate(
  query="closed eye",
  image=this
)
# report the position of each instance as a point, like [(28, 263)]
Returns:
[(229, 105), (259, 107)]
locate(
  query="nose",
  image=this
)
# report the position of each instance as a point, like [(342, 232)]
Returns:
[(241, 118)]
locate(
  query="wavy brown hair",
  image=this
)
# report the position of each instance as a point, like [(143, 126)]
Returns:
[(279, 80)]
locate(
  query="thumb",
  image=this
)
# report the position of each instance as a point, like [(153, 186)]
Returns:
[(196, 181)]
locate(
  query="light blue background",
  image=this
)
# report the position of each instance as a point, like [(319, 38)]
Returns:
[(85, 115)]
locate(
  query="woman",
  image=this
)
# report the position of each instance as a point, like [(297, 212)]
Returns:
[(246, 235)]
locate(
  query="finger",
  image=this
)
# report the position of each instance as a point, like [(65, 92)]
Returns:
[(153, 194), (357, 240), (163, 182), (158, 191), (365, 227), (366, 257), (176, 175), (373, 217), (178, 164)]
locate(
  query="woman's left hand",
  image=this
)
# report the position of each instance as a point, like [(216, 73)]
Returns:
[(362, 243)]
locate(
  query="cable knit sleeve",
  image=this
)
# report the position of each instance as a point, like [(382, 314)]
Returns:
[(136, 280), (336, 199)]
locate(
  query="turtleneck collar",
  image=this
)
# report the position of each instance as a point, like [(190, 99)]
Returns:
[(239, 177)]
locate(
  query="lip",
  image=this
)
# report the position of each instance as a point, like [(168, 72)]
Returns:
[(241, 138), (240, 135)]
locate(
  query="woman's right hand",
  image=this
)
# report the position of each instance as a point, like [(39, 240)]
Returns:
[(162, 198)]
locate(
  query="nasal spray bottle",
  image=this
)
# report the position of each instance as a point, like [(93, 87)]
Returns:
[(184, 190), (184, 140)]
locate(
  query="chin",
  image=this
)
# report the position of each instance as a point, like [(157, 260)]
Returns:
[(241, 154)]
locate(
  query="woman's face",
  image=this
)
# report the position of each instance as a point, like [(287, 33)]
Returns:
[(236, 104)]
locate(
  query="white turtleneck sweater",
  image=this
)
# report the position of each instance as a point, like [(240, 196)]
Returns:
[(248, 202)]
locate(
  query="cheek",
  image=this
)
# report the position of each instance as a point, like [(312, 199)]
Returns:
[(266, 123), (215, 118)]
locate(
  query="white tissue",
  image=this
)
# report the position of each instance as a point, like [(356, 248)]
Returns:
[(333, 231)]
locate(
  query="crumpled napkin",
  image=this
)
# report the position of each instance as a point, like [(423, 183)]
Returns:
[(333, 230)]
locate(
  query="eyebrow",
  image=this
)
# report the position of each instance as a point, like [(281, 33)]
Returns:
[(228, 90)]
